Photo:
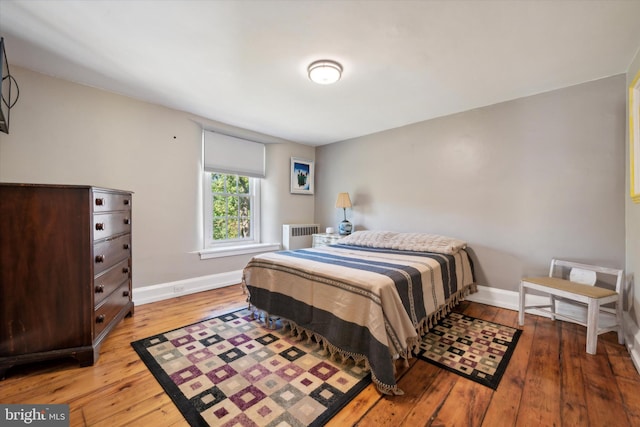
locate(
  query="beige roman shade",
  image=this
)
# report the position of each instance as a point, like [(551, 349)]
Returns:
[(228, 154)]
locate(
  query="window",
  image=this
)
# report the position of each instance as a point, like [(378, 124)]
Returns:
[(231, 205), (232, 169)]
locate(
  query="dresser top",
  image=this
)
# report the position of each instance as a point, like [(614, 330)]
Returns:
[(60, 186)]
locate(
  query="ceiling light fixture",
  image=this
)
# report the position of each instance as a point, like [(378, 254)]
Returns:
[(325, 71)]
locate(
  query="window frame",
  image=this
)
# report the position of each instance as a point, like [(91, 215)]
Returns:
[(254, 202)]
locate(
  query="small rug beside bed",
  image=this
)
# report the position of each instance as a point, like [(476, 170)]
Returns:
[(230, 370), (473, 348)]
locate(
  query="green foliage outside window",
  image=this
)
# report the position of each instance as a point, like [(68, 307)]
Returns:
[(231, 206)]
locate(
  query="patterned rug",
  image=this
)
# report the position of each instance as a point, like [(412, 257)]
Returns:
[(232, 371), (470, 347)]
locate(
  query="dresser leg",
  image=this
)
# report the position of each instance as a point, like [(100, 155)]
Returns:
[(86, 358), (3, 371)]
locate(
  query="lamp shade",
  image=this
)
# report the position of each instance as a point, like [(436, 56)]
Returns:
[(343, 201)]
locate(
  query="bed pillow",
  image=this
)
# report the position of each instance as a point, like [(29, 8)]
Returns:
[(420, 242), (371, 239)]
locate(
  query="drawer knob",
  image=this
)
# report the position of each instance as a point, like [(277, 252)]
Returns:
[(126, 201), (125, 269), (99, 202), (100, 226), (127, 221), (100, 258), (125, 293), (100, 319), (99, 289), (125, 246)]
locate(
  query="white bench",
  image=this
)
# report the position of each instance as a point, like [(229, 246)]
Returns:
[(581, 289)]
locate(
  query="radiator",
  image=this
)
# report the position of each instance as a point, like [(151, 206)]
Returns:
[(298, 236)]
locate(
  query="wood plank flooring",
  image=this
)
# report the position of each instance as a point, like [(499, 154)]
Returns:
[(550, 380)]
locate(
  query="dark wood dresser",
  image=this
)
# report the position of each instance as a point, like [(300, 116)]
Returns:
[(65, 270)]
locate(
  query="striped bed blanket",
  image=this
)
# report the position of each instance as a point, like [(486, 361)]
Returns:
[(368, 304)]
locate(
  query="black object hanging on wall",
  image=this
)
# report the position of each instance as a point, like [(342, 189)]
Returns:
[(5, 89)]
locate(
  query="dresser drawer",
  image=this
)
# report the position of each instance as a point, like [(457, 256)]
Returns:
[(110, 224), (110, 308), (104, 202), (109, 252), (107, 282)]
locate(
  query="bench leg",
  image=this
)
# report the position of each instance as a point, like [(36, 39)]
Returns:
[(593, 312), (620, 324), (523, 291)]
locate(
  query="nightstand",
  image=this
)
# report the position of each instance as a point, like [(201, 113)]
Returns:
[(324, 239)]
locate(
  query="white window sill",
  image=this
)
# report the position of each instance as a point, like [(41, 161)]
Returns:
[(225, 251)]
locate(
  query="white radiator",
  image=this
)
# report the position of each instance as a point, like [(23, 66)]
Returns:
[(298, 236)]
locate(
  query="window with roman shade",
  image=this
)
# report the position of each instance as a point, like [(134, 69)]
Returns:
[(233, 169)]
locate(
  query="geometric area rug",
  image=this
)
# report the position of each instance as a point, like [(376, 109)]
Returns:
[(232, 371), (470, 347)]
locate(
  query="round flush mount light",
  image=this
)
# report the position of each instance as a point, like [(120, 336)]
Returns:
[(325, 71)]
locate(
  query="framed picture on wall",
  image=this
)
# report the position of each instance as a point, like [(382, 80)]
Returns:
[(634, 137), (301, 176)]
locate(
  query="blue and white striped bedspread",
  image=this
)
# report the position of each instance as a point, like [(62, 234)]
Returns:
[(368, 304)]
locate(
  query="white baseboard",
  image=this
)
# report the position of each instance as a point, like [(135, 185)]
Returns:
[(162, 291), (632, 339), (496, 297), (510, 300)]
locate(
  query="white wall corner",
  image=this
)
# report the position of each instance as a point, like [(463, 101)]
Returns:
[(510, 300), (147, 294)]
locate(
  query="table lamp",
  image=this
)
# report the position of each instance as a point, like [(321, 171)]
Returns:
[(344, 202)]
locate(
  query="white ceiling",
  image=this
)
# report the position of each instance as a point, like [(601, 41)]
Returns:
[(244, 63)]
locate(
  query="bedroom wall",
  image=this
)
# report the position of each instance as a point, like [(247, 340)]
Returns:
[(632, 233), (521, 181), (66, 133)]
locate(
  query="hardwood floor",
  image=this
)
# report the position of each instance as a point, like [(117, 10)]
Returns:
[(550, 380)]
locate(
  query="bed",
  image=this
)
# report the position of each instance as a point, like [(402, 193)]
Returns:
[(368, 298)]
